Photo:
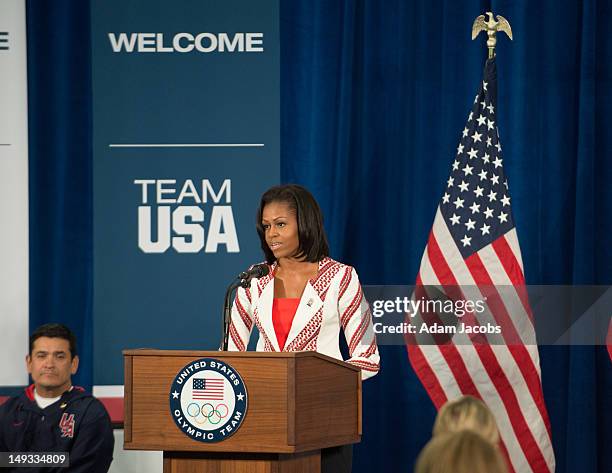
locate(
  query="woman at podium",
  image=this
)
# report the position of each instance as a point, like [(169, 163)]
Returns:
[(306, 298)]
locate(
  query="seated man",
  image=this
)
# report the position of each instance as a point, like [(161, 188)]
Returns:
[(52, 415)]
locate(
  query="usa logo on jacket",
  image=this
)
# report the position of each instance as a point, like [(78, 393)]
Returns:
[(66, 425), (208, 400)]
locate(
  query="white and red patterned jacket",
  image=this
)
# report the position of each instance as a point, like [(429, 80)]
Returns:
[(332, 300)]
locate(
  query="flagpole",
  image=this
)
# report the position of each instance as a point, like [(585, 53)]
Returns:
[(491, 27)]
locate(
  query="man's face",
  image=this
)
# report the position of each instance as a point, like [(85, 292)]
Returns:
[(51, 366)]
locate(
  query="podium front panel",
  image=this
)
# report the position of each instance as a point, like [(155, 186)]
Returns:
[(297, 402), (264, 428)]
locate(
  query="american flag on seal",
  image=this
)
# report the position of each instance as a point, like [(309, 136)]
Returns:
[(207, 389), (473, 244)]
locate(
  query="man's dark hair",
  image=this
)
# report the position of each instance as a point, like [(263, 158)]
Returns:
[(55, 331), (313, 241)]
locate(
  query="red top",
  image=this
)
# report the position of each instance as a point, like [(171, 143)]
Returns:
[(283, 311)]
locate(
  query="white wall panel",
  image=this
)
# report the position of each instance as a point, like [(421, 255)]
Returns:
[(13, 193)]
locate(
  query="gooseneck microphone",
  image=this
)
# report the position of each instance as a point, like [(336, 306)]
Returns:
[(243, 280), (257, 271)]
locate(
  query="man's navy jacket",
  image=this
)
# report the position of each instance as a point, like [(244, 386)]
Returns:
[(78, 424)]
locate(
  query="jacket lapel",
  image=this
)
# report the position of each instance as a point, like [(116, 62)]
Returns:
[(309, 304), (264, 313), (312, 299)]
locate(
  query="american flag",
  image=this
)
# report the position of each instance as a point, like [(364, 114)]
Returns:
[(207, 389), (473, 244)]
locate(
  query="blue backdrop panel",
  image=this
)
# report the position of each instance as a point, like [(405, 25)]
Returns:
[(177, 91)]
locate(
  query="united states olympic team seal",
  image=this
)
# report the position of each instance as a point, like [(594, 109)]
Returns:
[(208, 400)]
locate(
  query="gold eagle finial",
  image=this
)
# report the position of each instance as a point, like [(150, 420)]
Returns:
[(491, 27)]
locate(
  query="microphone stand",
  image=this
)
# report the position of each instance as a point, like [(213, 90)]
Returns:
[(227, 309), (243, 280)]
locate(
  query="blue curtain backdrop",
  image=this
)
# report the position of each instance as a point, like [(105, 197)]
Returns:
[(374, 95), (60, 164)]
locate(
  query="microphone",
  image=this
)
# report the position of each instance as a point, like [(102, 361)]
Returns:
[(243, 280), (257, 271)]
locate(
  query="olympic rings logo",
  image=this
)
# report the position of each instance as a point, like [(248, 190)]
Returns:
[(209, 413)]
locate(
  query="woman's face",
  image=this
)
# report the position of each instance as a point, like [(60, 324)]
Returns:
[(281, 229)]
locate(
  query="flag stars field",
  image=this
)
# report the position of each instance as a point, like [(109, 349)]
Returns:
[(476, 180)]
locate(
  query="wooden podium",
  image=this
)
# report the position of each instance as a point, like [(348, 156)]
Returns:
[(298, 403)]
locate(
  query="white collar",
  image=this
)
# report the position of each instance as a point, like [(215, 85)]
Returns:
[(44, 402)]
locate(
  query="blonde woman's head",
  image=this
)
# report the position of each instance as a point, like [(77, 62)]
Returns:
[(460, 452), (469, 413)]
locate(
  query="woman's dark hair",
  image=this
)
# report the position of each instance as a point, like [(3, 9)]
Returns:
[(313, 241), (55, 331)]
